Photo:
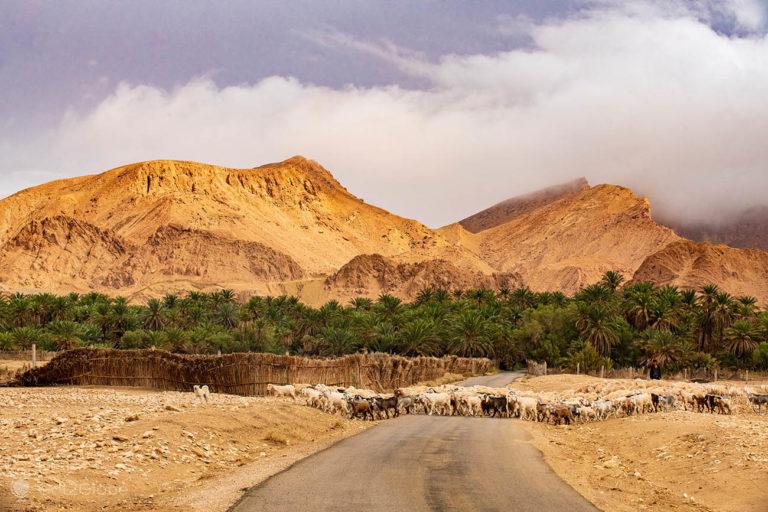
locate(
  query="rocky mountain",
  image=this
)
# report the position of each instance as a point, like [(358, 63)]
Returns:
[(160, 227), (571, 239)]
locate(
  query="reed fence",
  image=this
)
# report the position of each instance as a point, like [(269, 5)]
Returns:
[(241, 373)]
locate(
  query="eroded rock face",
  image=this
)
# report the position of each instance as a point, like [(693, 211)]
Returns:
[(373, 274)]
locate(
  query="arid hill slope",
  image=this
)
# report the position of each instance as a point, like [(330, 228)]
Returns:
[(689, 265)]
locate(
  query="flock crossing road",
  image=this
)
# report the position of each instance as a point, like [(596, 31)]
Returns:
[(419, 463)]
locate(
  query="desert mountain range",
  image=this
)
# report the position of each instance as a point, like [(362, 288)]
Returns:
[(164, 226)]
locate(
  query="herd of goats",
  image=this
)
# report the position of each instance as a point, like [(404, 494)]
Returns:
[(588, 403)]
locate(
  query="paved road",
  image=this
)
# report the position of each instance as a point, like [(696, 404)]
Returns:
[(422, 463)]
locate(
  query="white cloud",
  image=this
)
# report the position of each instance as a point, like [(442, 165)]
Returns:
[(631, 94)]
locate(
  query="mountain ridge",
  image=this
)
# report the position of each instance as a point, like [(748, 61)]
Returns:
[(165, 226)]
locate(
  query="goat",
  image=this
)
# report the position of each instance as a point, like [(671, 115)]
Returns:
[(282, 391), (757, 400), (360, 407), (201, 392)]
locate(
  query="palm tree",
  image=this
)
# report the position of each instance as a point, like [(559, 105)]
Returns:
[(741, 337), (424, 296), (469, 335), (24, 337), (441, 295), (66, 335), (598, 326), (746, 306), (389, 305), (154, 315), (639, 306), (176, 339), (523, 297), (723, 313), (663, 347), (361, 303), (480, 296), (157, 339), (612, 280), (706, 312), (336, 342), (227, 315), (170, 301), (418, 337), (597, 294)]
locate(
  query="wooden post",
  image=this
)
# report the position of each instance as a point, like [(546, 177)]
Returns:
[(577, 368), (34, 355), (218, 352), (747, 376), (715, 375), (602, 371), (545, 367)]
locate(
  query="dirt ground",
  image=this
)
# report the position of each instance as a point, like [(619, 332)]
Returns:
[(89, 449), (8, 368), (677, 460)]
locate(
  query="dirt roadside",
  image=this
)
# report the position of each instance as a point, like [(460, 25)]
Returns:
[(678, 460), (89, 449)]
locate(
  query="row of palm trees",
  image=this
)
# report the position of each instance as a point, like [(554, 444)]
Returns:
[(608, 323)]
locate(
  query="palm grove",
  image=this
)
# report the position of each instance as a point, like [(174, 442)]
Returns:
[(605, 324)]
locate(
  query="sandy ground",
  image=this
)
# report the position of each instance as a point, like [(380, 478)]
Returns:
[(8, 368), (90, 449), (677, 460)]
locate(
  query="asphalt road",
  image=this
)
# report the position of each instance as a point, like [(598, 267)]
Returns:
[(423, 463)]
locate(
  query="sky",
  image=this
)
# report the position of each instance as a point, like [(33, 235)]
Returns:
[(430, 109)]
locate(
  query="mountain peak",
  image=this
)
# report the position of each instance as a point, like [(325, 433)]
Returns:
[(515, 206)]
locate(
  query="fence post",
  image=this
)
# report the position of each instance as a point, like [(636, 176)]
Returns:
[(577, 368), (747, 376), (602, 371), (715, 375), (34, 355)]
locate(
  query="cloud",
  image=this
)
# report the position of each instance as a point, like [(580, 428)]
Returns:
[(635, 93)]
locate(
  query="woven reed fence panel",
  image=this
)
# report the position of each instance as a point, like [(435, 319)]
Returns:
[(242, 373)]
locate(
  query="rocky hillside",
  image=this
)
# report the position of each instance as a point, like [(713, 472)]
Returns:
[(159, 227), (372, 274), (689, 264)]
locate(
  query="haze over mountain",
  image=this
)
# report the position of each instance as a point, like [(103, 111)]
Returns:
[(164, 226), (747, 229)]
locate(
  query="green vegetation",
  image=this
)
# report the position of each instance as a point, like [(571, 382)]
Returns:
[(606, 324)]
